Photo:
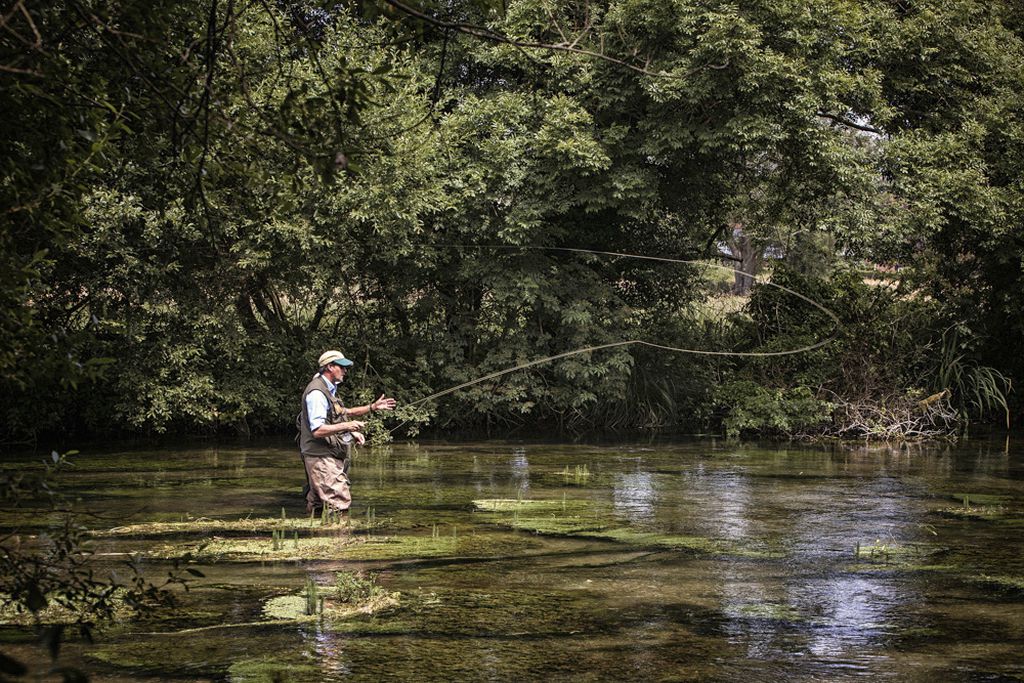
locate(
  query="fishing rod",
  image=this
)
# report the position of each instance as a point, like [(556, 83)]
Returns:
[(632, 342)]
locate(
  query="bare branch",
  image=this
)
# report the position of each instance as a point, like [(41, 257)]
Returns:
[(842, 121)]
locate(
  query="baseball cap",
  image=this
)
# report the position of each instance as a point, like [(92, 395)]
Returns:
[(336, 357)]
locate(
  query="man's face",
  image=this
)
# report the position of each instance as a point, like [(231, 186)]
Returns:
[(337, 373)]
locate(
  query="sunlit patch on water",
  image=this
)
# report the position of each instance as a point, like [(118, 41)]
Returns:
[(634, 496)]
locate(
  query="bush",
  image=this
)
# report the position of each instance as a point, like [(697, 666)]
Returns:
[(752, 408)]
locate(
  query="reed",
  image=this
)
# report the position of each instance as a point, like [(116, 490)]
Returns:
[(314, 603), (578, 475)]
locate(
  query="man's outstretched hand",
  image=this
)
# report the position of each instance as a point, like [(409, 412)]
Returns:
[(383, 403)]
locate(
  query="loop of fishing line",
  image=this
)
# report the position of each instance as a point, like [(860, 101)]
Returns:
[(632, 342)]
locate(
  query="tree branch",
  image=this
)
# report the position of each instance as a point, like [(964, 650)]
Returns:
[(495, 37), (842, 121)]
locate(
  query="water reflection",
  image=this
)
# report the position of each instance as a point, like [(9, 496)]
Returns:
[(329, 653), (727, 499), (634, 496), (520, 470)]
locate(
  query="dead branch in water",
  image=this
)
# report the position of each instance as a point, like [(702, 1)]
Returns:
[(895, 418)]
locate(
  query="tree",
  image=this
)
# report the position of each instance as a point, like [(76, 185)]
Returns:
[(221, 189)]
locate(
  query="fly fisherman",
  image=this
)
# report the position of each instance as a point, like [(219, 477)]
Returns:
[(326, 431)]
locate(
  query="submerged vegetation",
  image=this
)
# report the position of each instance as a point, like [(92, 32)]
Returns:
[(352, 593), (585, 519), (496, 548)]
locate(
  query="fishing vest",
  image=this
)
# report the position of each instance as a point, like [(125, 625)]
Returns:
[(330, 446)]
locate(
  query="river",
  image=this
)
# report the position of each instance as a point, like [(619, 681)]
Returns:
[(690, 560)]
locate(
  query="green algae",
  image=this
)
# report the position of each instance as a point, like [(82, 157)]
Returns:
[(994, 511), (901, 557), (1006, 584), (353, 593), (260, 549), (444, 542), (530, 505), (30, 520), (271, 670), (483, 613), (288, 607), (768, 611), (915, 632), (696, 544), (550, 517), (584, 519), (556, 526), (203, 525), (987, 514), (982, 499), (979, 506), (209, 655), (60, 611)]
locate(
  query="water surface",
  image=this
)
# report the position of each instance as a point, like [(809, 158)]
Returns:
[(701, 560)]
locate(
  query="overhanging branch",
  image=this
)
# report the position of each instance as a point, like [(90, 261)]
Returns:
[(843, 121)]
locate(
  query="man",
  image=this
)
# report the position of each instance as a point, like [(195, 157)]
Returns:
[(325, 432)]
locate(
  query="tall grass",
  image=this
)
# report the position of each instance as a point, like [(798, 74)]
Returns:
[(977, 389)]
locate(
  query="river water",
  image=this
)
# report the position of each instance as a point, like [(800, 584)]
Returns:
[(693, 560)]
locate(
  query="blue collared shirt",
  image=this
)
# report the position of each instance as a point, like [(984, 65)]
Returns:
[(317, 406)]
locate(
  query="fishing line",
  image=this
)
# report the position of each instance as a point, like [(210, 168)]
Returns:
[(631, 342)]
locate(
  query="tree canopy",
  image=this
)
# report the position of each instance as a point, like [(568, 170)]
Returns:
[(199, 197)]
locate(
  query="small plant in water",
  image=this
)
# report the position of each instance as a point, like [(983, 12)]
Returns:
[(355, 587), (313, 603), (579, 475), (329, 517)]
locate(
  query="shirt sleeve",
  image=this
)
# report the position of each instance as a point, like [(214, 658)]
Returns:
[(316, 409)]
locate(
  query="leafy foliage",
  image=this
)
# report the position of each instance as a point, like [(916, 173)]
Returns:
[(757, 409), (200, 197)]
